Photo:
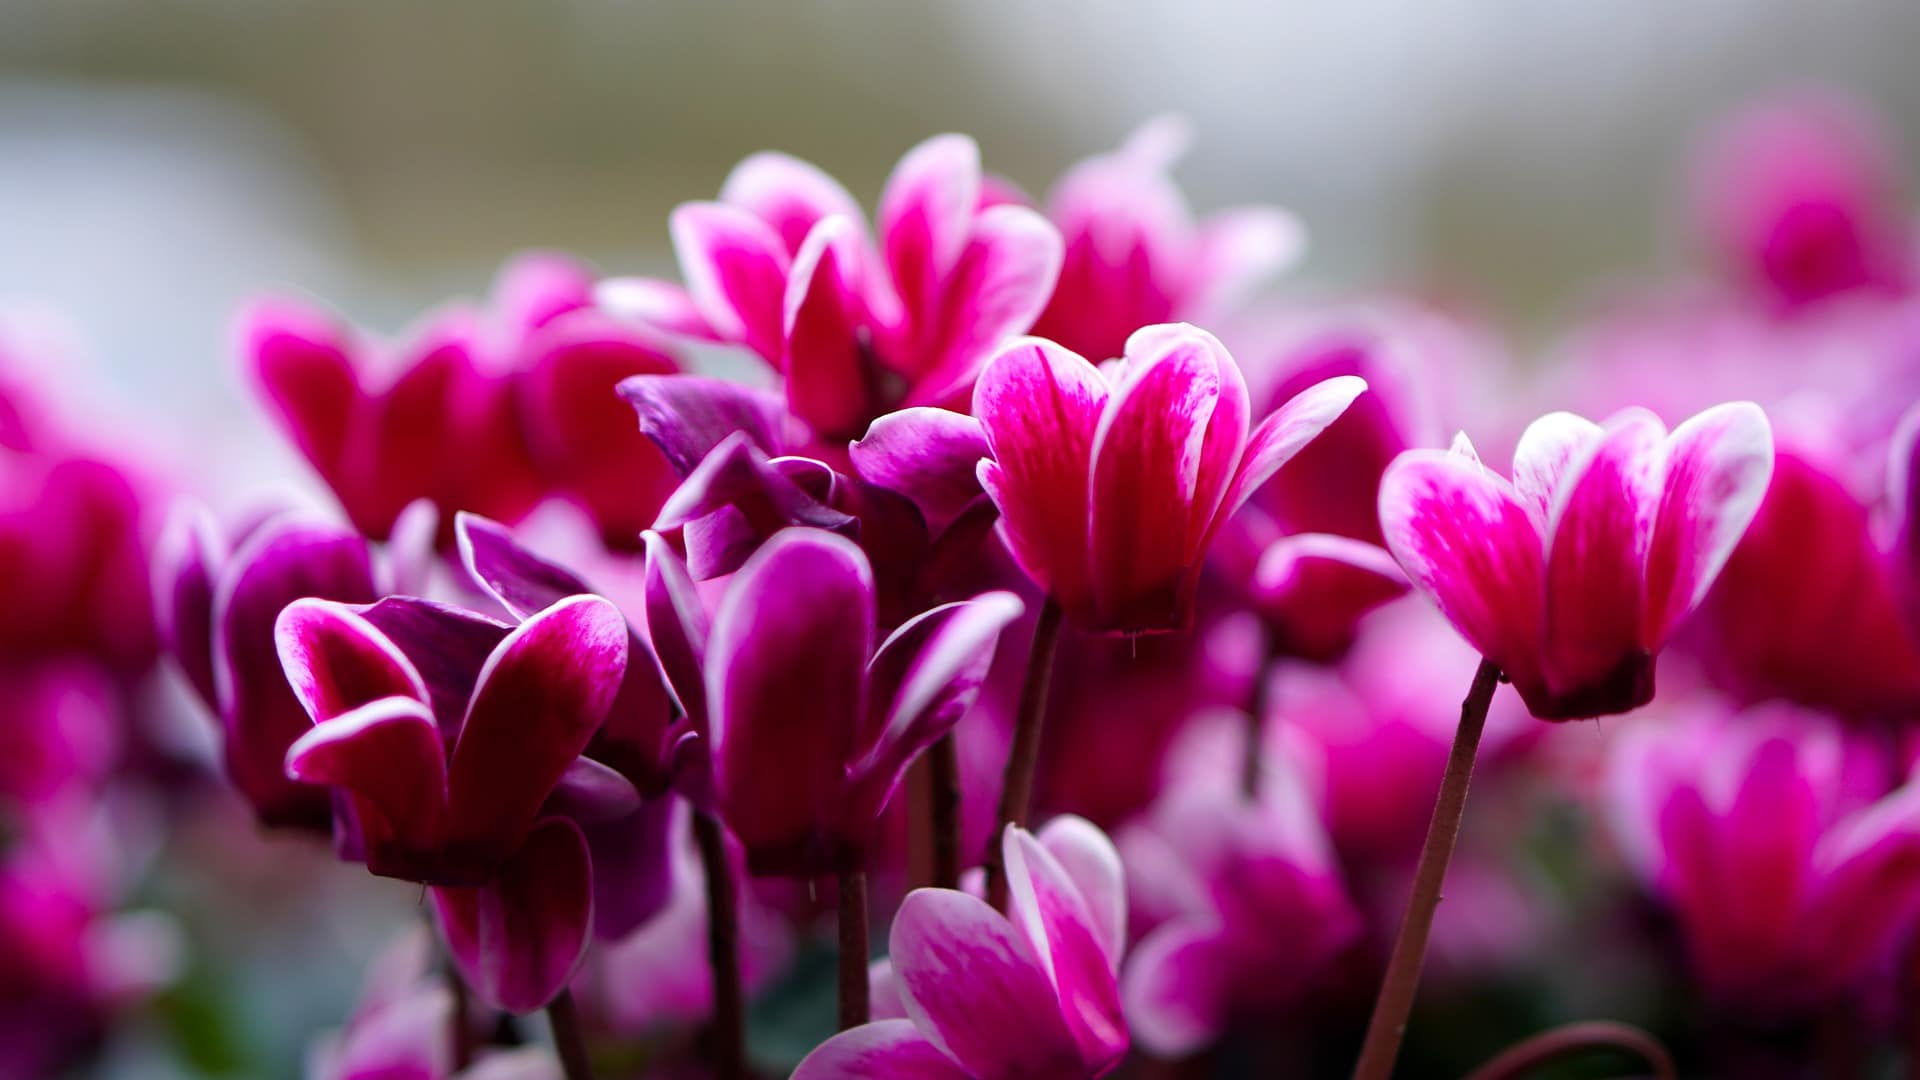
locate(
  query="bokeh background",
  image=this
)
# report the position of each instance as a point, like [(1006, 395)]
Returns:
[(161, 160)]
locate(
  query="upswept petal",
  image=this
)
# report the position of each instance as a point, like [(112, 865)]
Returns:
[(445, 646), (687, 416), (884, 1050), (1466, 540), (519, 938), (1548, 449), (929, 455), (1070, 944), (187, 559), (388, 757), (1239, 249), (665, 306), (997, 288), (677, 626), (336, 661), (971, 986), (789, 194), (1312, 588), (828, 377), (1719, 465), (540, 698), (1283, 433), (1092, 863), (786, 689), (925, 216), (534, 288), (736, 271), (521, 581), (737, 498), (302, 361)]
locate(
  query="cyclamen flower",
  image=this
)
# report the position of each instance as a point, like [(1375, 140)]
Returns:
[(1572, 576), (1111, 489), (455, 741), (1135, 256), (810, 725), (1032, 993), (782, 264), (1786, 852)]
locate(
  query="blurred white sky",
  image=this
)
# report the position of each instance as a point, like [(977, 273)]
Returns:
[(163, 158)]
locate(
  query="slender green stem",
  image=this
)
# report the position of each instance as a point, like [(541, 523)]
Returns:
[(1577, 1040), (855, 1008), (723, 950), (568, 1042), (1395, 1004), (1023, 758)]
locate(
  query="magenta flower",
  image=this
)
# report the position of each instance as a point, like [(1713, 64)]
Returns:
[(810, 725), (1111, 490), (63, 729), (217, 612), (1032, 993), (1785, 850), (1572, 576), (1135, 256), (782, 264), (1247, 911), (455, 742)]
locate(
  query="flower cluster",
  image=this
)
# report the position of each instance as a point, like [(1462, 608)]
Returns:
[(1038, 527)]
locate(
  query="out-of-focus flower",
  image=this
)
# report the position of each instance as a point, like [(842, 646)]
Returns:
[(782, 264), (61, 727), (999, 997), (1789, 854), (1571, 577), (810, 725), (402, 1027), (217, 610), (1799, 197), (455, 741), (1110, 492), (1246, 906), (1135, 256)]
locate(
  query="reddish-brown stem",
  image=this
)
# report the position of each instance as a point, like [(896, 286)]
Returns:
[(1256, 730), (458, 1020), (854, 989), (568, 1042), (723, 949), (1576, 1040), (1023, 758), (943, 811), (1395, 1003)]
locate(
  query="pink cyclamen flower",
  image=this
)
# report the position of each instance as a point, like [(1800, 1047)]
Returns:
[(1135, 256), (1572, 576), (1788, 851), (1031, 993), (782, 264), (455, 742), (1246, 906), (810, 720), (1111, 489)]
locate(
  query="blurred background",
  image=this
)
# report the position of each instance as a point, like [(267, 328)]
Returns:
[(162, 160)]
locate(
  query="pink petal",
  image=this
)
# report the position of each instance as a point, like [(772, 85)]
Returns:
[(187, 558), (542, 695), (633, 867), (1465, 539), (925, 216), (677, 626), (302, 361), (388, 756), (519, 938), (1239, 250), (1040, 406), (1071, 945), (885, 1050), (522, 582), (790, 195), (997, 288), (1163, 457), (736, 272), (446, 647), (536, 287), (972, 988), (737, 498), (336, 661), (1092, 863), (1312, 589), (590, 793), (659, 305), (824, 354), (932, 456), (1600, 526), (1719, 464), (1549, 449), (786, 689), (1282, 435), (1176, 988)]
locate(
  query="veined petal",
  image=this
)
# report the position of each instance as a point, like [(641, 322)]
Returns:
[(520, 938), (1465, 539), (829, 384), (1547, 450), (336, 661), (998, 287), (925, 215), (971, 986), (789, 194), (929, 455), (1070, 943), (1719, 465), (687, 416), (388, 756), (884, 1050), (1092, 863), (540, 698), (1281, 435), (1600, 529), (1040, 406), (786, 689), (736, 272)]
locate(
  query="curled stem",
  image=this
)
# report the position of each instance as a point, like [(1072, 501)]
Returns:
[(723, 949), (1395, 1003), (1575, 1040), (1023, 758)]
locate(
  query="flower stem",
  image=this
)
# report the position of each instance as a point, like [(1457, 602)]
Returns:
[(1395, 1003), (461, 1024), (1256, 731), (1023, 758), (943, 809), (568, 1042), (854, 990), (1574, 1040), (723, 949)]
